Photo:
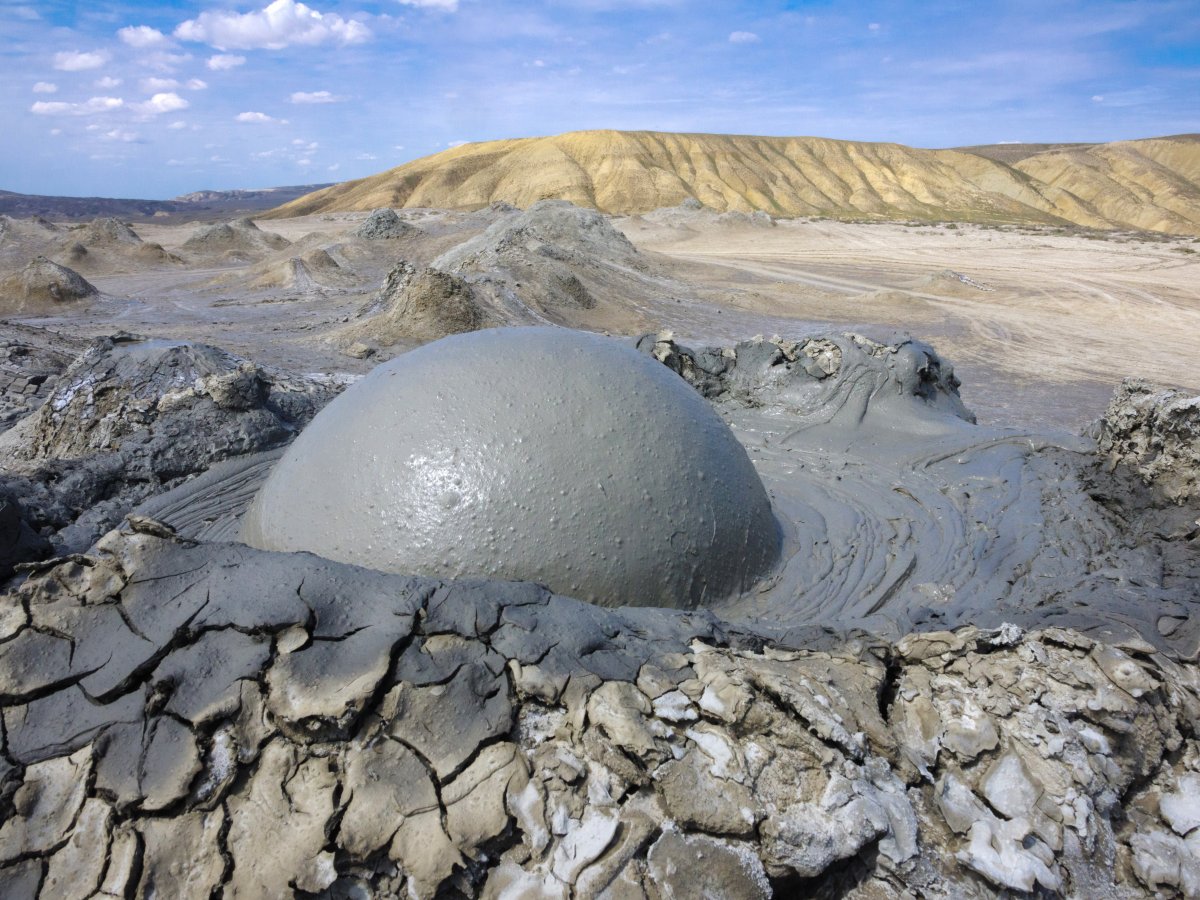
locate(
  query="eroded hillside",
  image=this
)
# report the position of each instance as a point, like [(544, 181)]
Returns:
[(1150, 185)]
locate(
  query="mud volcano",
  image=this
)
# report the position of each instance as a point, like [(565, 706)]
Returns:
[(531, 454)]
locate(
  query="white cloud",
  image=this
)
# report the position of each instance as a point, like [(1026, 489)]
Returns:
[(161, 103), (316, 97), (366, 156), (74, 61), (444, 5), (156, 85), (45, 87), (124, 137), (279, 25), (87, 108), (743, 37), (142, 36), (874, 26), (335, 167), (224, 61), (164, 61), (258, 117), (195, 84), (1098, 98), (56, 131), (178, 125), (107, 82)]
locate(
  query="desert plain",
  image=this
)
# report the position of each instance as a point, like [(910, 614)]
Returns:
[(1042, 322)]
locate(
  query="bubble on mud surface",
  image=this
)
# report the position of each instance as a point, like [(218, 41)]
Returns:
[(533, 454)]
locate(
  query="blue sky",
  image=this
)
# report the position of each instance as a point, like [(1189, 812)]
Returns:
[(153, 100)]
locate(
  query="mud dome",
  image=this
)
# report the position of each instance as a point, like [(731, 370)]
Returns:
[(531, 454)]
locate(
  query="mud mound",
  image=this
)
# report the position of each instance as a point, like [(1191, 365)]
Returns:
[(837, 377), (16, 231), (383, 224), (555, 229), (1154, 432), (42, 286), (738, 219), (555, 262), (319, 260), (150, 253), (239, 239), (108, 246), (105, 232), (312, 271), (417, 306), (294, 274), (131, 416)]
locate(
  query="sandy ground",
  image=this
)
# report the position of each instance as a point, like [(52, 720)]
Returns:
[(1041, 330), (1065, 319)]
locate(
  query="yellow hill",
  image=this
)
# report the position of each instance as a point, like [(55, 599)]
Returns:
[(1152, 184), (1140, 184)]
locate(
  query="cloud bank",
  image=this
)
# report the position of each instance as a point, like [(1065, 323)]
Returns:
[(281, 24)]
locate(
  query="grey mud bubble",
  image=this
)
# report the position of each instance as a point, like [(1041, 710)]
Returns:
[(531, 454)]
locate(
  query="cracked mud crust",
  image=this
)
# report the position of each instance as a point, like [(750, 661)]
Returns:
[(188, 720)]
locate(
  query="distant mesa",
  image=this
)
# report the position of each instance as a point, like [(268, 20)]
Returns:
[(189, 207), (43, 285), (1151, 184), (260, 198)]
